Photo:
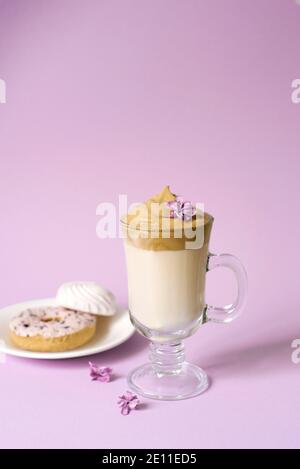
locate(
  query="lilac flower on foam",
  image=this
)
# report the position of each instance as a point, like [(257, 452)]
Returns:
[(98, 373), (182, 209), (128, 402)]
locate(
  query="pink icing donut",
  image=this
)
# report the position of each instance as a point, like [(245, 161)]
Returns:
[(48, 328)]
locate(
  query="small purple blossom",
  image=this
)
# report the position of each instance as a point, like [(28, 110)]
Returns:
[(99, 373), (127, 402), (182, 209)]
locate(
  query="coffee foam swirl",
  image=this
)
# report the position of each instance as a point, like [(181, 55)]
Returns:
[(150, 225)]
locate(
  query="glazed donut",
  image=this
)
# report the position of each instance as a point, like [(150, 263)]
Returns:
[(51, 329)]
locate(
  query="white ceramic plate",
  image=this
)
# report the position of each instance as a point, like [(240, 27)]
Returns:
[(111, 331)]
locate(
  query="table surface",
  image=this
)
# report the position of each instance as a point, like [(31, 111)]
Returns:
[(252, 400), (124, 97)]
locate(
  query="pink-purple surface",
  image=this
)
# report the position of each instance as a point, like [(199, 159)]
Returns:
[(109, 97)]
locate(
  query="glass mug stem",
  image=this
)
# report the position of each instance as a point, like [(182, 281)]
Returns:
[(167, 358)]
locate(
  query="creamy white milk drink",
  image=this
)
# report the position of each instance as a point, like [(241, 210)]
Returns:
[(165, 288)]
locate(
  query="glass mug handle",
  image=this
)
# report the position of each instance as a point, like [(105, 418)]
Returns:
[(228, 313)]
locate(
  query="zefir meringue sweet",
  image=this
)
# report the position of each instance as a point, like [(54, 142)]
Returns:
[(87, 297)]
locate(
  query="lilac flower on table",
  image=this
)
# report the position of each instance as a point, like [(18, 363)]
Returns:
[(99, 373), (128, 402), (182, 209)]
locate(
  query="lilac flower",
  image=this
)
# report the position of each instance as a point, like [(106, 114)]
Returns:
[(127, 402), (98, 373), (182, 209)]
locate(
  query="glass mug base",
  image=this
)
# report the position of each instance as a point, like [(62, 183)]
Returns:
[(167, 376), (188, 381)]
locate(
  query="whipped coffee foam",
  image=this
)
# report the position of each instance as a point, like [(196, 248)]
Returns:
[(152, 226)]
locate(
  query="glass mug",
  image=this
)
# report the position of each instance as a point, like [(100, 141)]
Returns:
[(166, 295)]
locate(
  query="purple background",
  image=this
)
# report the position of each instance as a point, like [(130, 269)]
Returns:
[(107, 97)]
